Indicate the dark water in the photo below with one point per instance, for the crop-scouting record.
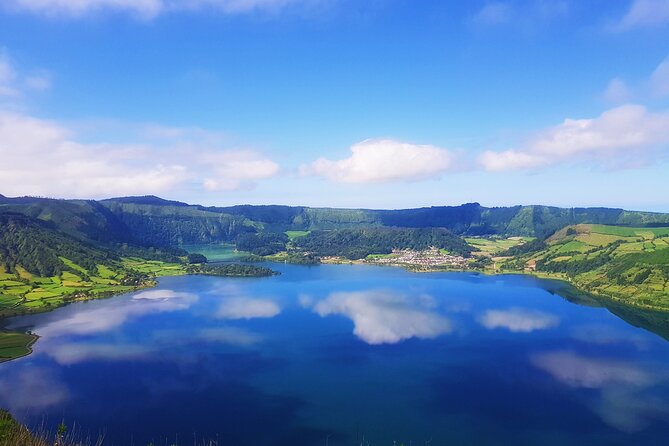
(334, 354)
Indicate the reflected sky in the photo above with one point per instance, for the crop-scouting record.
(383, 316)
(518, 320)
(341, 351)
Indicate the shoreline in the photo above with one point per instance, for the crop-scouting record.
(603, 299)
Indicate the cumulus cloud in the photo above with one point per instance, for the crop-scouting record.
(384, 317)
(384, 160)
(247, 308)
(44, 158)
(628, 130)
(518, 320)
(148, 8)
(643, 14)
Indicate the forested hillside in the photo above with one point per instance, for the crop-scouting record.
(359, 243)
(28, 243)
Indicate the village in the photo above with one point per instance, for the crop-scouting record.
(432, 257)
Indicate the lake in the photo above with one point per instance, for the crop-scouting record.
(344, 355)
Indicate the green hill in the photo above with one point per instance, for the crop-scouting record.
(627, 264)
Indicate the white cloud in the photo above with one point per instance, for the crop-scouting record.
(384, 160)
(494, 13)
(7, 76)
(659, 80)
(654, 86)
(38, 81)
(236, 170)
(44, 158)
(644, 13)
(13, 82)
(524, 14)
(626, 131)
(240, 307)
(148, 8)
(518, 320)
(384, 317)
(617, 91)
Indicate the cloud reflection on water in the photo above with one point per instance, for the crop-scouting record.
(625, 398)
(247, 308)
(30, 387)
(518, 320)
(386, 317)
(106, 316)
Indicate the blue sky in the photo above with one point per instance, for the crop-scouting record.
(379, 104)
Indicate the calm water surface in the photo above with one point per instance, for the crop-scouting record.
(335, 354)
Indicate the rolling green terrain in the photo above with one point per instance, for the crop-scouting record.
(628, 265)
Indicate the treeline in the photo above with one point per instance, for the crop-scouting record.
(230, 270)
(359, 243)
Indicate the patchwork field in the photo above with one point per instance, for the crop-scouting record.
(485, 245)
(22, 292)
(629, 265)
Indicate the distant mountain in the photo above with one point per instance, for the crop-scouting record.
(146, 199)
(153, 221)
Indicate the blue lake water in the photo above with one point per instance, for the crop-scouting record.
(344, 355)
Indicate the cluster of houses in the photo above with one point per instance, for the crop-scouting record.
(432, 257)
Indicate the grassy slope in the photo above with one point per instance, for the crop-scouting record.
(628, 265)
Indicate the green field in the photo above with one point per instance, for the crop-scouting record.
(292, 235)
(628, 265)
(495, 245)
(22, 293)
